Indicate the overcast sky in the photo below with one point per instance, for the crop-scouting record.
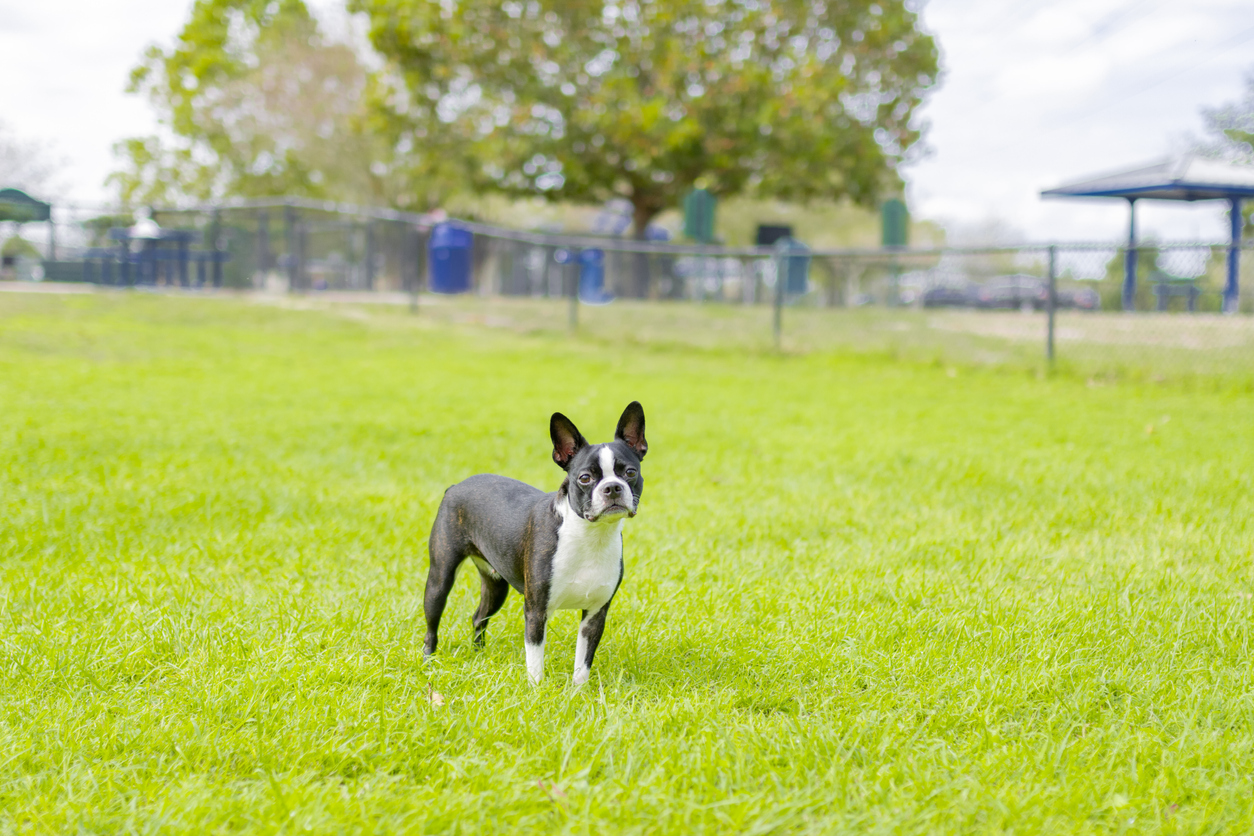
(1034, 93)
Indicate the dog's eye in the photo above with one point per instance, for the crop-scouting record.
(585, 478)
(631, 473)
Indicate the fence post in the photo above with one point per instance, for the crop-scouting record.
(302, 244)
(1232, 292)
(1130, 258)
(217, 247)
(572, 317)
(1052, 304)
(370, 254)
(415, 237)
(263, 247)
(293, 268)
(780, 277)
(124, 256)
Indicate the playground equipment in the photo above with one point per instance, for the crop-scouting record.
(146, 254)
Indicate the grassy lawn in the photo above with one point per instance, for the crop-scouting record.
(862, 595)
(1108, 346)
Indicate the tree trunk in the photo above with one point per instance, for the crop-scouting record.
(642, 281)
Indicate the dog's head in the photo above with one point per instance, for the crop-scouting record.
(603, 481)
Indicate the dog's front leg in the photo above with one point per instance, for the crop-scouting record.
(533, 641)
(590, 629)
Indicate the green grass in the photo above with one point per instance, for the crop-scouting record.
(1201, 348)
(861, 596)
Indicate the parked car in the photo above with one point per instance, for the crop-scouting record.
(1081, 298)
(1016, 291)
(949, 295)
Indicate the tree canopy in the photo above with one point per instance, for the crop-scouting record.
(585, 100)
(256, 101)
(1231, 127)
(573, 100)
(1230, 130)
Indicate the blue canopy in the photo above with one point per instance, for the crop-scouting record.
(1186, 178)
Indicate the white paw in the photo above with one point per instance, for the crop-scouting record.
(535, 663)
(580, 677)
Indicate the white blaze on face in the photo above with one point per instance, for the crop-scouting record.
(608, 477)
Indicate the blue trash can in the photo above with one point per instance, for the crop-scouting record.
(797, 265)
(448, 258)
(592, 278)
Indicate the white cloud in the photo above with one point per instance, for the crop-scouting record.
(1038, 95)
(1053, 75)
(71, 61)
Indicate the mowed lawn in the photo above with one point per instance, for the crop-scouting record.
(861, 596)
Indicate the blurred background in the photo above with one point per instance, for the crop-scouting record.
(873, 154)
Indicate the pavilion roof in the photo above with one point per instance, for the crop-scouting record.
(16, 205)
(1183, 178)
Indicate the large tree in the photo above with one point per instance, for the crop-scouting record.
(1230, 134)
(586, 100)
(1231, 127)
(257, 101)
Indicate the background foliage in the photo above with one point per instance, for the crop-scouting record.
(576, 102)
(257, 101)
(586, 101)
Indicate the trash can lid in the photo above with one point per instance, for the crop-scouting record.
(447, 235)
(790, 244)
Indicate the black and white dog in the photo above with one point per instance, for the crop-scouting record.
(562, 551)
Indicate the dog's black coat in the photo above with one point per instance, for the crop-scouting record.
(513, 531)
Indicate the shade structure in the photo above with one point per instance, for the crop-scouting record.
(1186, 178)
(17, 205)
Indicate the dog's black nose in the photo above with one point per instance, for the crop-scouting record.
(613, 489)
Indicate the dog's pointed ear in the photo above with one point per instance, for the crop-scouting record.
(567, 440)
(631, 428)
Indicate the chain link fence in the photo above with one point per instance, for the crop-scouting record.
(1065, 305)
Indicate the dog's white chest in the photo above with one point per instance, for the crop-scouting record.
(587, 565)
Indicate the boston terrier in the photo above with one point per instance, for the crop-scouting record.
(562, 551)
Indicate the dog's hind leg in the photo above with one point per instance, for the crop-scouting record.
(493, 590)
(447, 553)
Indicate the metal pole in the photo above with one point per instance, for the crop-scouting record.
(124, 256)
(289, 222)
(779, 297)
(217, 254)
(52, 237)
(894, 270)
(704, 280)
(1232, 293)
(1053, 304)
(572, 316)
(1129, 273)
(263, 245)
(370, 255)
(414, 277)
(302, 242)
